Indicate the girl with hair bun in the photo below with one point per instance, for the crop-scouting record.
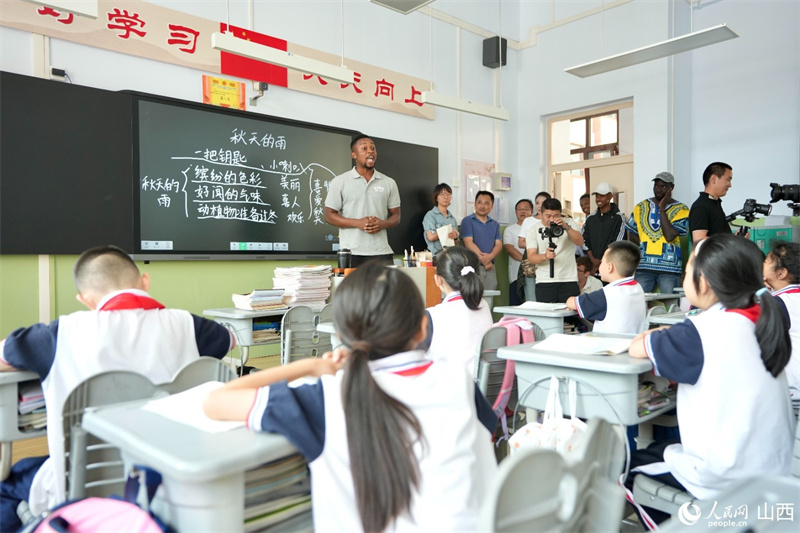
(379, 428)
(734, 413)
(463, 317)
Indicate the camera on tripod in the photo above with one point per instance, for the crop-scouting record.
(749, 210)
(553, 231)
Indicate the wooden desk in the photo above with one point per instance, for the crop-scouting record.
(9, 416)
(615, 377)
(550, 321)
(203, 473)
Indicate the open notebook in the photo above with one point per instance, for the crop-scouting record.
(187, 408)
(541, 306)
(583, 344)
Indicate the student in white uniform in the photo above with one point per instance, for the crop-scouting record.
(735, 418)
(463, 317)
(782, 277)
(620, 306)
(394, 441)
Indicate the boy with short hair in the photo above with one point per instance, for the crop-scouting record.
(124, 329)
(481, 234)
(620, 307)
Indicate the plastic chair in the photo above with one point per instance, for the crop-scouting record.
(657, 310)
(674, 308)
(92, 467)
(652, 493)
(538, 490)
(196, 372)
(299, 336)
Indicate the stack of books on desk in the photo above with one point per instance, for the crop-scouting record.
(305, 285)
(261, 300)
(278, 496)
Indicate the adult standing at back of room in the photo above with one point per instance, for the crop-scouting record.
(706, 217)
(657, 224)
(530, 281)
(363, 204)
(523, 210)
(604, 226)
(438, 217)
(481, 234)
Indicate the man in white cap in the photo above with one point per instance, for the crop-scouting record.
(602, 227)
(657, 224)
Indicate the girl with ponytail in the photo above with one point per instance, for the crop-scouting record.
(460, 321)
(379, 427)
(734, 413)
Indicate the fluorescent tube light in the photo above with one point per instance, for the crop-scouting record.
(226, 42)
(402, 6)
(676, 45)
(86, 8)
(459, 104)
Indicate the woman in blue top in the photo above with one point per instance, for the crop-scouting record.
(438, 217)
(394, 441)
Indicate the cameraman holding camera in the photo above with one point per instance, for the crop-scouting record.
(554, 241)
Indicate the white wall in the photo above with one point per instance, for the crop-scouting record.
(737, 101)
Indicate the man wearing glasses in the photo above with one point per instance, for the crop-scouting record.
(522, 210)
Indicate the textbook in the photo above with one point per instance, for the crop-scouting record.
(583, 344)
(261, 300)
(542, 306)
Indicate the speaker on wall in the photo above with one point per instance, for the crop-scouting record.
(491, 57)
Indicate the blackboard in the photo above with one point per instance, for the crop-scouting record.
(66, 179)
(80, 167)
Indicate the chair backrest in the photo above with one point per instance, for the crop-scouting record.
(299, 335)
(537, 490)
(92, 467)
(197, 372)
(657, 310)
(674, 308)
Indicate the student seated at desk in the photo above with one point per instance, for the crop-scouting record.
(586, 282)
(782, 277)
(394, 441)
(734, 414)
(125, 329)
(620, 306)
(460, 321)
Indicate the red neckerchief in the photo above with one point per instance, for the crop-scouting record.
(129, 300)
(415, 371)
(751, 313)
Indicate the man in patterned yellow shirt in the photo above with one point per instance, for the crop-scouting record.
(657, 224)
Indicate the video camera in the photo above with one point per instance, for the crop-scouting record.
(553, 231)
(790, 193)
(749, 210)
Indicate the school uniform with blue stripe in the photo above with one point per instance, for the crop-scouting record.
(619, 307)
(736, 419)
(456, 459)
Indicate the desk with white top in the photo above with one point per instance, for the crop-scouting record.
(203, 472)
(614, 377)
(551, 321)
(669, 319)
(241, 322)
(668, 299)
(9, 416)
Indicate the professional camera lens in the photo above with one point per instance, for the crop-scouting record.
(790, 193)
(555, 230)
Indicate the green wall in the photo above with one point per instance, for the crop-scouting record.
(190, 285)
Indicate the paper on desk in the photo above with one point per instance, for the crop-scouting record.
(583, 344)
(444, 235)
(542, 306)
(187, 408)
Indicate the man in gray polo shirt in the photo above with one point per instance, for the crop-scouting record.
(363, 203)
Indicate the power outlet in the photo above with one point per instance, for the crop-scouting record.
(58, 74)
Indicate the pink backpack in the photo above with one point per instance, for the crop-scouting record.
(518, 331)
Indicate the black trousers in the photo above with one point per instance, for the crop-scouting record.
(653, 454)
